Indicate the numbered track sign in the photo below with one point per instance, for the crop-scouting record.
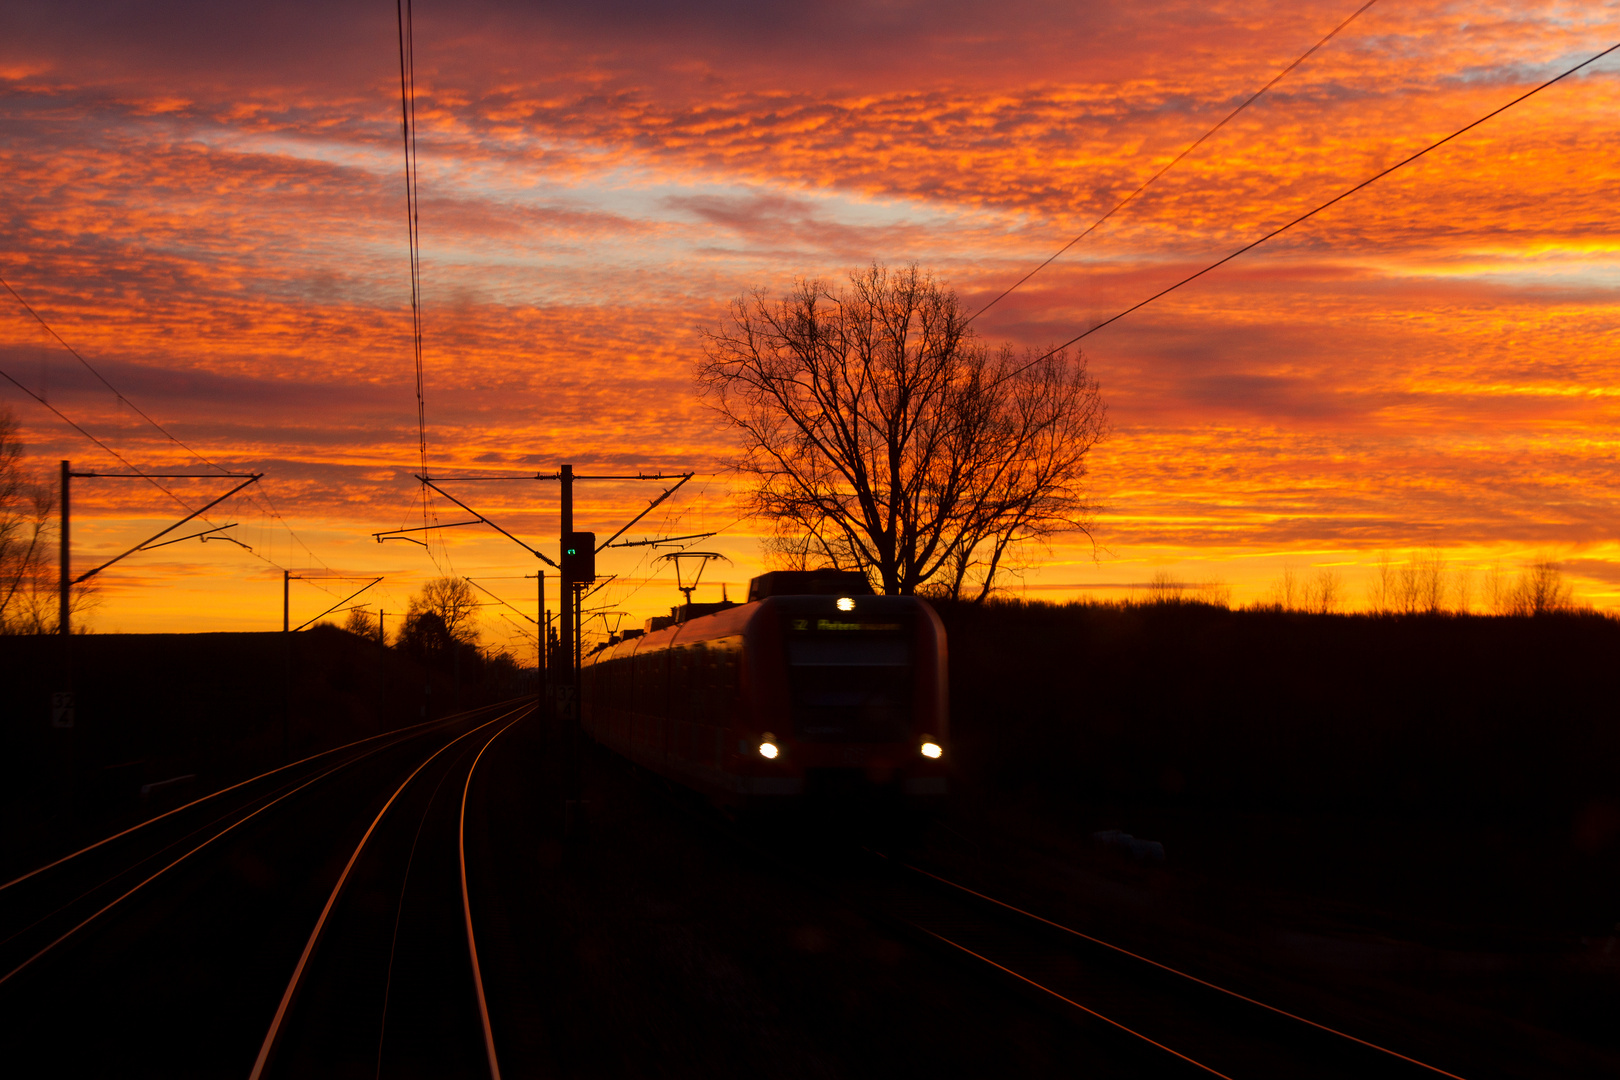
(62, 709)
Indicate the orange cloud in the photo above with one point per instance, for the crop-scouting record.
(212, 210)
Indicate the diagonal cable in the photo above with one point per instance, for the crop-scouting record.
(1176, 160)
(91, 368)
(1312, 213)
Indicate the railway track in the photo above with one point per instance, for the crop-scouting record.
(403, 995)
(1197, 1025)
(1170, 1021)
(173, 947)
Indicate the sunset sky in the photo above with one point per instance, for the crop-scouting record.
(208, 204)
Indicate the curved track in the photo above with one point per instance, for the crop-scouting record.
(176, 944)
(1201, 1025)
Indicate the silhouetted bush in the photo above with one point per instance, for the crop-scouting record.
(1274, 710)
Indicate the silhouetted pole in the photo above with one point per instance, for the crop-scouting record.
(573, 817)
(540, 638)
(64, 582)
(64, 628)
(382, 674)
(286, 664)
(568, 585)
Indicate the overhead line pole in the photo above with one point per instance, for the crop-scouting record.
(65, 579)
(570, 588)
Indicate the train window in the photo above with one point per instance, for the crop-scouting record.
(855, 688)
(848, 652)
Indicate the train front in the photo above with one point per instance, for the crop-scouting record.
(849, 701)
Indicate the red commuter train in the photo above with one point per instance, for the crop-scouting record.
(814, 689)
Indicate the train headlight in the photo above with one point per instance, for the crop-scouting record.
(931, 750)
(846, 603)
(768, 747)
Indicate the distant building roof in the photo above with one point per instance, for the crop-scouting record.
(824, 582)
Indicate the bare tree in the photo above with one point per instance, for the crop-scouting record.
(452, 602)
(879, 434)
(1287, 593)
(361, 623)
(1163, 588)
(1420, 586)
(28, 585)
(1428, 582)
(1498, 590)
(1541, 590)
(1325, 593)
(1384, 591)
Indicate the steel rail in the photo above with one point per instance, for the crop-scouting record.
(466, 910)
(331, 901)
(152, 856)
(883, 915)
(1065, 1000)
(1173, 971)
(132, 890)
(227, 790)
(399, 915)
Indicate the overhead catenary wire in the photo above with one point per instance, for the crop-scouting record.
(124, 399)
(413, 224)
(1345, 194)
(407, 104)
(104, 381)
(1195, 144)
(70, 422)
(408, 131)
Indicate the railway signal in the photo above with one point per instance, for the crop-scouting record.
(579, 556)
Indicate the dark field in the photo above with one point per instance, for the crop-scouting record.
(1421, 812)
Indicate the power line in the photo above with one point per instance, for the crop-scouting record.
(1312, 213)
(70, 423)
(413, 224)
(407, 107)
(116, 393)
(1331, 34)
(122, 459)
(165, 432)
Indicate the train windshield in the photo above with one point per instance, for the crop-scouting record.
(849, 681)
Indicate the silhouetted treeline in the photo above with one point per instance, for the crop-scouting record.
(1277, 711)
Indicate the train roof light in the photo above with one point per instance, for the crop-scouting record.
(846, 603)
